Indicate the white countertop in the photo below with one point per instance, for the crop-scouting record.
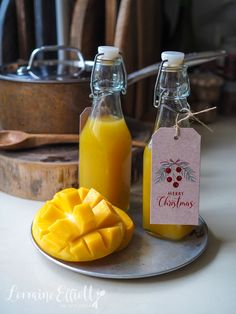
(29, 283)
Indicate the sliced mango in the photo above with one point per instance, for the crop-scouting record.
(84, 218)
(81, 225)
(52, 244)
(66, 255)
(50, 212)
(82, 193)
(96, 245)
(93, 198)
(129, 227)
(105, 215)
(67, 199)
(65, 229)
(79, 251)
(40, 228)
(113, 236)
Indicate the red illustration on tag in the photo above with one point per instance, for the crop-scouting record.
(174, 172)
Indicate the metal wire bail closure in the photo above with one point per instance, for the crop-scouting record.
(156, 102)
(92, 76)
(92, 80)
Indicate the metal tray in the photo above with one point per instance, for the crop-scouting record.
(145, 256)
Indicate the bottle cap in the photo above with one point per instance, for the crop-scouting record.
(109, 52)
(174, 58)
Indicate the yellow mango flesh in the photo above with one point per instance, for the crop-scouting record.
(67, 199)
(84, 218)
(81, 225)
(113, 236)
(129, 227)
(50, 212)
(82, 192)
(93, 198)
(105, 215)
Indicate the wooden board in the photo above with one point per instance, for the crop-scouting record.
(125, 40)
(111, 8)
(87, 26)
(39, 173)
(25, 28)
(8, 32)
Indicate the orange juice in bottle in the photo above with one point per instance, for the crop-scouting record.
(171, 92)
(105, 141)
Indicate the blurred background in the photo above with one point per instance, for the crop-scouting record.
(141, 29)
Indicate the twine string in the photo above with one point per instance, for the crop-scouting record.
(190, 114)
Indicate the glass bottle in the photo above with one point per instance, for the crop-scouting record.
(170, 98)
(105, 141)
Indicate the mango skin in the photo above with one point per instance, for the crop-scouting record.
(80, 225)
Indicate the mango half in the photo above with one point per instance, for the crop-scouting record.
(80, 225)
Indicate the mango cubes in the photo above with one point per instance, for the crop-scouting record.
(81, 225)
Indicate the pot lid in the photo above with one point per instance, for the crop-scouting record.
(63, 69)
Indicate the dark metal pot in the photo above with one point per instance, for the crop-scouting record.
(47, 96)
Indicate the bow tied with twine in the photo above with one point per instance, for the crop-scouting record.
(190, 114)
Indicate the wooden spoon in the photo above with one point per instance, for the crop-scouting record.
(11, 140)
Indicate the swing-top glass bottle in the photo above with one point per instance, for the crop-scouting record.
(105, 141)
(170, 98)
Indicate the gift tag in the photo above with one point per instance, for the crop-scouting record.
(175, 177)
(84, 117)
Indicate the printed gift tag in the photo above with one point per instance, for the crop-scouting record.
(175, 177)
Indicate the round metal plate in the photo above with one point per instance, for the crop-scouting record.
(145, 256)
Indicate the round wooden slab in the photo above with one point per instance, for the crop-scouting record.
(39, 173)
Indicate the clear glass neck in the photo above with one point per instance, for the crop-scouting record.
(173, 83)
(108, 80)
(170, 96)
(108, 76)
(107, 105)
